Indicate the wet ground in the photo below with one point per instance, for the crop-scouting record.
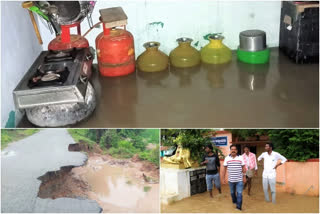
(119, 185)
(286, 203)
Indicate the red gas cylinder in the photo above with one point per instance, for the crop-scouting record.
(115, 51)
(66, 41)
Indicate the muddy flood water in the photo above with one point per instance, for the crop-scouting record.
(119, 186)
(285, 203)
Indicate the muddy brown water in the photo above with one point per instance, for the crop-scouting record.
(120, 189)
(285, 203)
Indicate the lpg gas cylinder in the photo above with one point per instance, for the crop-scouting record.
(115, 51)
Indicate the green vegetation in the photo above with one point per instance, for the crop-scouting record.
(122, 143)
(146, 188)
(294, 144)
(243, 134)
(80, 135)
(193, 139)
(11, 135)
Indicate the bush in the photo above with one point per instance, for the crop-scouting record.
(296, 144)
(151, 155)
(125, 149)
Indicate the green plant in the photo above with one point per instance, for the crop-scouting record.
(146, 188)
(152, 156)
(296, 144)
(193, 139)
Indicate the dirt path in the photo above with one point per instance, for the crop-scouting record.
(286, 203)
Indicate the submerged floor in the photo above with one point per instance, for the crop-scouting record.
(202, 203)
(275, 95)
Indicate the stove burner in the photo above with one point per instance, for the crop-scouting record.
(50, 77)
(62, 55)
(46, 75)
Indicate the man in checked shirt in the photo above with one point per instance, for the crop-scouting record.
(251, 166)
(269, 170)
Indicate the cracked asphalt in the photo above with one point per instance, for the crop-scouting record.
(22, 162)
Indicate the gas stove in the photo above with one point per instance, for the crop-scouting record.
(56, 77)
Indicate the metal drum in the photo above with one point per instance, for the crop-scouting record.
(252, 40)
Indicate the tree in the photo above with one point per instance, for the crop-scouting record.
(296, 144)
(193, 139)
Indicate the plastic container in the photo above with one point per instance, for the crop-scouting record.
(152, 59)
(253, 48)
(215, 52)
(184, 56)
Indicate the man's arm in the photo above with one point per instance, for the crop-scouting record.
(260, 157)
(204, 161)
(218, 163)
(243, 170)
(280, 157)
(244, 173)
(256, 165)
(224, 170)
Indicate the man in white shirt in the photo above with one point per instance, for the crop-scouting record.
(269, 170)
(236, 175)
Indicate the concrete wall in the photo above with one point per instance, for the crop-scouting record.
(19, 49)
(167, 20)
(294, 177)
(299, 177)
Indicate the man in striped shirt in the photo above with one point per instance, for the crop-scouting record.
(236, 175)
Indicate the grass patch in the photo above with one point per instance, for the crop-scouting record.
(78, 136)
(146, 188)
(11, 135)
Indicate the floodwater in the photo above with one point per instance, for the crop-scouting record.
(285, 203)
(116, 190)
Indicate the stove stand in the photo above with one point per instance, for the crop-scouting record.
(63, 114)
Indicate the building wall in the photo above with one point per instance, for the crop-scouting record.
(19, 49)
(225, 149)
(293, 177)
(299, 177)
(166, 20)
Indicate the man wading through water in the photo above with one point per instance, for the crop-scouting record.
(212, 163)
(269, 170)
(251, 166)
(236, 175)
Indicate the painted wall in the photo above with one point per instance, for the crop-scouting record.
(225, 149)
(167, 20)
(19, 49)
(299, 177)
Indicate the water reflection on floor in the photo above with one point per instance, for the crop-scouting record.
(117, 191)
(286, 203)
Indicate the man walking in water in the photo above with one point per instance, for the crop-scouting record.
(236, 175)
(250, 162)
(211, 160)
(269, 170)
